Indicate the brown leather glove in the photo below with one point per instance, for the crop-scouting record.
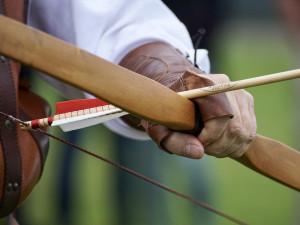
(164, 64)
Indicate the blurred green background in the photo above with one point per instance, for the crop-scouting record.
(252, 41)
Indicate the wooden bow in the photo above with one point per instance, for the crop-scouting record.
(110, 83)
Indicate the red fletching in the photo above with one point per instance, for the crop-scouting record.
(75, 105)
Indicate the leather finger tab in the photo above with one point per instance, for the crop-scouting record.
(212, 106)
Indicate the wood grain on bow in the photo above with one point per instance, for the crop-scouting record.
(110, 83)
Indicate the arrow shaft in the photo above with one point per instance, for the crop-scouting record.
(241, 84)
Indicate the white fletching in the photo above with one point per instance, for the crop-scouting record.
(78, 122)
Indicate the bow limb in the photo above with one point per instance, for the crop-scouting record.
(105, 80)
(274, 160)
(86, 71)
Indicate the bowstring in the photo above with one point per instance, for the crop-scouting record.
(134, 173)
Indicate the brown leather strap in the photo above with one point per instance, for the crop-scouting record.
(9, 141)
(8, 137)
(41, 140)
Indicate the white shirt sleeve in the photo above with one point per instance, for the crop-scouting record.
(111, 29)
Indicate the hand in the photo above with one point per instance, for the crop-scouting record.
(220, 136)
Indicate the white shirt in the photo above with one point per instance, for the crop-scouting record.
(110, 29)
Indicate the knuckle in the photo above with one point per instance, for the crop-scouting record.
(235, 130)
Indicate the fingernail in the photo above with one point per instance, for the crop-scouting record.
(191, 151)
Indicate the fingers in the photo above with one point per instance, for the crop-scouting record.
(229, 144)
(213, 130)
(253, 123)
(247, 123)
(184, 145)
(223, 137)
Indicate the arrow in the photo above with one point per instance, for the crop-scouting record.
(77, 114)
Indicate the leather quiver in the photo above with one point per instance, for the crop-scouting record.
(32, 149)
(22, 154)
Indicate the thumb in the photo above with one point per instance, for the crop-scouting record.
(184, 145)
